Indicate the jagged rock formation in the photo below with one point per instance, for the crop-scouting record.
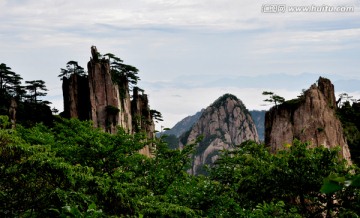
(142, 118)
(106, 102)
(105, 107)
(310, 118)
(223, 124)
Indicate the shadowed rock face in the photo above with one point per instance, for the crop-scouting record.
(76, 97)
(223, 124)
(310, 118)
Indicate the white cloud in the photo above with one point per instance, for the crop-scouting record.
(167, 39)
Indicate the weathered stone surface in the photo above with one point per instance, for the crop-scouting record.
(12, 112)
(107, 103)
(327, 89)
(142, 118)
(125, 116)
(103, 93)
(311, 118)
(76, 97)
(223, 124)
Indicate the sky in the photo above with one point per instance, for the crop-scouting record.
(189, 52)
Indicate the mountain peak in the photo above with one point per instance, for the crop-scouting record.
(223, 124)
(222, 100)
(310, 118)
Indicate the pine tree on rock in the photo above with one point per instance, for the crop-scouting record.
(9, 80)
(72, 67)
(35, 89)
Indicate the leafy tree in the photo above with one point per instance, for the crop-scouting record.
(253, 175)
(4, 122)
(83, 171)
(35, 89)
(343, 194)
(75, 170)
(349, 115)
(273, 98)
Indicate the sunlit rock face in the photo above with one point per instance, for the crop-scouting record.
(223, 124)
(310, 118)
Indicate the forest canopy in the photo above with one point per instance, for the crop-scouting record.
(74, 170)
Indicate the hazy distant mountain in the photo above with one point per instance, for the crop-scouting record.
(184, 125)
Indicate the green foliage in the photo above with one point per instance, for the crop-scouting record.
(273, 210)
(121, 73)
(29, 114)
(23, 99)
(346, 192)
(72, 67)
(156, 115)
(295, 175)
(74, 170)
(4, 122)
(35, 88)
(9, 81)
(349, 115)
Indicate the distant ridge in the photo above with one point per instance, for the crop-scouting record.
(184, 125)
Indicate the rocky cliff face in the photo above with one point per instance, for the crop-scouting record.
(107, 103)
(105, 107)
(76, 95)
(142, 118)
(310, 118)
(223, 124)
